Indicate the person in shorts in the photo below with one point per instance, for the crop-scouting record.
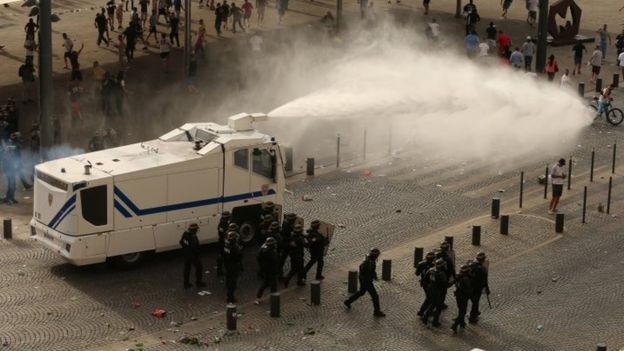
(557, 177)
(426, 6)
(506, 4)
(578, 49)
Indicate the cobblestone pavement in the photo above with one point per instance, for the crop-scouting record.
(550, 292)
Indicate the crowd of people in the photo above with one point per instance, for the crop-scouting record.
(280, 243)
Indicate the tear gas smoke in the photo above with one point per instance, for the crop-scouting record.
(438, 101)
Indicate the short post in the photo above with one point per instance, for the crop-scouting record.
(364, 146)
(504, 224)
(495, 212)
(581, 89)
(275, 305)
(601, 347)
(338, 150)
(288, 164)
(591, 171)
(476, 235)
(353, 282)
(231, 316)
(616, 80)
(613, 158)
(598, 85)
(315, 292)
(521, 188)
(569, 173)
(609, 195)
(546, 183)
(559, 221)
(584, 202)
(8, 228)
(310, 166)
(449, 240)
(386, 270)
(418, 255)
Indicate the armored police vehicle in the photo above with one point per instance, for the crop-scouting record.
(124, 202)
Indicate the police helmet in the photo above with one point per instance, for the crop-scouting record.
(290, 216)
(430, 255)
(270, 241)
(298, 227)
(440, 262)
(226, 214)
(232, 235)
(374, 252)
(274, 225)
(193, 226)
(444, 245)
(464, 268)
(315, 223)
(233, 227)
(481, 256)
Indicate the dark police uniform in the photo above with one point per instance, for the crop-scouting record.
(421, 270)
(366, 277)
(437, 284)
(190, 245)
(316, 243)
(296, 247)
(222, 230)
(233, 263)
(463, 291)
(268, 261)
(479, 277)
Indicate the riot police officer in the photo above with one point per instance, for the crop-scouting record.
(437, 283)
(479, 283)
(316, 243)
(367, 275)
(222, 230)
(190, 244)
(233, 263)
(296, 245)
(268, 208)
(449, 265)
(287, 228)
(421, 270)
(463, 291)
(265, 223)
(268, 262)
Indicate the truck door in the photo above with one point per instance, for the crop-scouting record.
(263, 179)
(236, 191)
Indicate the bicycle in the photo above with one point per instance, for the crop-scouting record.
(614, 115)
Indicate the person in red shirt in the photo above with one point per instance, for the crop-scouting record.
(503, 41)
(247, 7)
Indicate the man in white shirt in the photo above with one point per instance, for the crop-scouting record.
(596, 62)
(621, 62)
(557, 176)
(565, 79)
(68, 44)
(434, 27)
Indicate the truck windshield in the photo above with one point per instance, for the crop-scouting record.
(52, 181)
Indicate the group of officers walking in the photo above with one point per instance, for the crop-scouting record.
(280, 243)
(437, 274)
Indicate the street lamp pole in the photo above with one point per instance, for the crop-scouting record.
(542, 37)
(46, 89)
(187, 36)
(458, 9)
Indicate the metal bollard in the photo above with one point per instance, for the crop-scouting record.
(231, 316)
(598, 85)
(353, 282)
(8, 229)
(386, 270)
(601, 347)
(521, 188)
(616, 80)
(584, 203)
(476, 235)
(449, 240)
(275, 305)
(315, 292)
(559, 222)
(613, 158)
(495, 208)
(288, 164)
(338, 150)
(569, 173)
(591, 171)
(546, 183)
(609, 196)
(310, 166)
(418, 255)
(581, 89)
(504, 224)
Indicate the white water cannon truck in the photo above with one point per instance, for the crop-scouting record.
(124, 202)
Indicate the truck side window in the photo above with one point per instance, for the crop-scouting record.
(94, 206)
(262, 163)
(241, 158)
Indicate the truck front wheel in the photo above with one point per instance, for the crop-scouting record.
(128, 260)
(248, 231)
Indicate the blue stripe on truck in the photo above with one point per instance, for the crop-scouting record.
(184, 205)
(56, 220)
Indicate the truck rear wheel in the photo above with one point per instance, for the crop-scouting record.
(248, 231)
(128, 260)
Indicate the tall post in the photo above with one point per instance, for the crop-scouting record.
(613, 158)
(46, 89)
(521, 187)
(570, 173)
(187, 36)
(458, 8)
(338, 150)
(584, 203)
(591, 171)
(609, 195)
(542, 36)
(338, 15)
(546, 183)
